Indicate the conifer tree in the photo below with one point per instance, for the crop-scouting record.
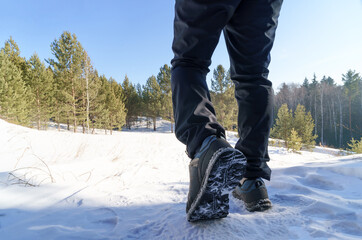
(294, 141)
(89, 88)
(297, 129)
(40, 81)
(355, 145)
(314, 97)
(67, 67)
(351, 89)
(131, 102)
(115, 106)
(141, 105)
(100, 113)
(222, 94)
(303, 124)
(283, 124)
(231, 111)
(219, 83)
(14, 100)
(152, 98)
(87, 67)
(11, 49)
(94, 89)
(164, 80)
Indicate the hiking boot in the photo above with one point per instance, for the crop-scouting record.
(214, 172)
(253, 193)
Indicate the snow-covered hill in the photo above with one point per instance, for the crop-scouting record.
(134, 184)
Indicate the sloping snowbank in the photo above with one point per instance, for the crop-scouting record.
(133, 185)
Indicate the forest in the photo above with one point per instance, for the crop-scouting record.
(67, 89)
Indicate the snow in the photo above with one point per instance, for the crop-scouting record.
(134, 184)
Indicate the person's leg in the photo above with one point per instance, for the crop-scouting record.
(216, 167)
(197, 28)
(249, 38)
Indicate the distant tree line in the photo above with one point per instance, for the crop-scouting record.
(319, 112)
(69, 90)
(336, 109)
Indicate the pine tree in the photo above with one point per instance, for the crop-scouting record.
(294, 141)
(87, 68)
(94, 87)
(100, 113)
(303, 124)
(355, 145)
(89, 87)
(115, 106)
(14, 97)
(313, 101)
(219, 83)
(11, 49)
(164, 80)
(231, 111)
(351, 89)
(152, 98)
(222, 95)
(283, 124)
(300, 126)
(132, 102)
(218, 88)
(40, 81)
(141, 105)
(67, 67)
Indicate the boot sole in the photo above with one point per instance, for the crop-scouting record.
(225, 170)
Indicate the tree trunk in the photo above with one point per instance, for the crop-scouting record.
(334, 123)
(110, 124)
(57, 120)
(128, 123)
(154, 124)
(87, 89)
(147, 123)
(330, 116)
(360, 89)
(171, 122)
(38, 107)
(322, 118)
(74, 107)
(350, 115)
(315, 113)
(340, 122)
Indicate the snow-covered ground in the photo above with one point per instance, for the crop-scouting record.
(134, 184)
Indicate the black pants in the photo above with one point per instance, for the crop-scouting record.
(249, 29)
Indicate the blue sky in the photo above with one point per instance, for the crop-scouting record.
(134, 37)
